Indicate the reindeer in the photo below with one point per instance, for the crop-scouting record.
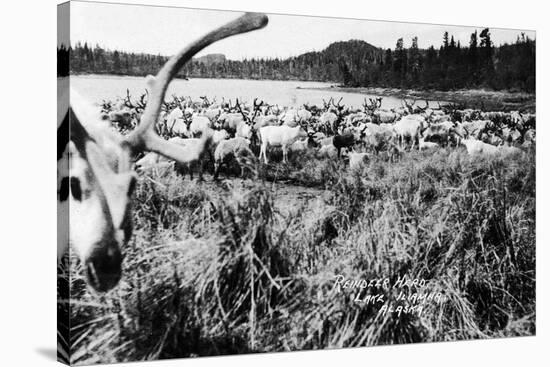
(372, 105)
(453, 110)
(125, 113)
(343, 141)
(205, 102)
(282, 136)
(248, 128)
(237, 148)
(95, 176)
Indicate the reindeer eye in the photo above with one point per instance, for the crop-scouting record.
(64, 189)
(132, 186)
(76, 190)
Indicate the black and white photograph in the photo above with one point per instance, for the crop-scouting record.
(234, 182)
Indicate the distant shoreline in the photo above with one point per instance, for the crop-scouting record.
(470, 98)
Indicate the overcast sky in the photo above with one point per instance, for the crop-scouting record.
(164, 30)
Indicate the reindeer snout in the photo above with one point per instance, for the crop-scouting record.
(103, 267)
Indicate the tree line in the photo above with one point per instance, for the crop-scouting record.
(352, 63)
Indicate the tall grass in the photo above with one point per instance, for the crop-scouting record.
(216, 269)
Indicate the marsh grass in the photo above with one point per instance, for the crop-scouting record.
(216, 268)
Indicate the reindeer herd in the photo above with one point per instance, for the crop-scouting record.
(227, 130)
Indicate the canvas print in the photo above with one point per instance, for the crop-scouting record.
(233, 183)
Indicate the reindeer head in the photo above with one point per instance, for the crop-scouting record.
(96, 180)
(303, 129)
(338, 108)
(372, 105)
(205, 102)
(94, 190)
(409, 106)
(256, 108)
(326, 105)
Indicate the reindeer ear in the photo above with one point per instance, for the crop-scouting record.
(83, 116)
(78, 134)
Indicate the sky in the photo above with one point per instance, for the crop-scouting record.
(165, 30)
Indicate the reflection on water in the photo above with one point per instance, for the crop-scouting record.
(284, 93)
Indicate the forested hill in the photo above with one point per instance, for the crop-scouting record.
(353, 63)
(211, 59)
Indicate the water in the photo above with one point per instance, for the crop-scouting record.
(284, 93)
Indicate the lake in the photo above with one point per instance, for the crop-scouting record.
(285, 93)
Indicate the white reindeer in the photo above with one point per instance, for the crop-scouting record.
(409, 127)
(425, 145)
(176, 123)
(282, 136)
(199, 125)
(477, 147)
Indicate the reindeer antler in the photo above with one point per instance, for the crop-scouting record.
(127, 102)
(142, 103)
(337, 105)
(257, 105)
(144, 136)
(256, 109)
(410, 106)
(238, 105)
(423, 109)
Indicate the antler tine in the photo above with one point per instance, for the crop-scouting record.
(128, 102)
(425, 107)
(245, 118)
(144, 136)
(259, 105)
(141, 103)
(256, 109)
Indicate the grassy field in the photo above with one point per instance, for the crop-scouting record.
(249, 265)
